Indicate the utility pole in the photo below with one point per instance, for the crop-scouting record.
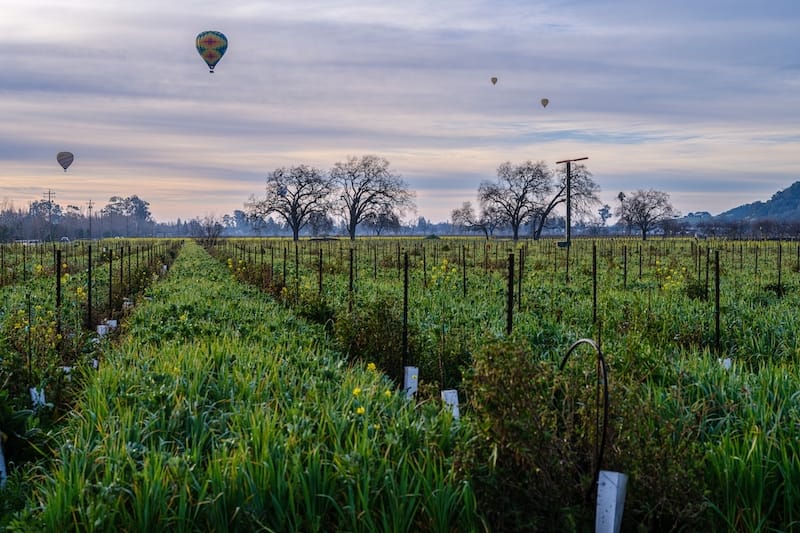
(49, 195)
(569, 194)
(90, 218)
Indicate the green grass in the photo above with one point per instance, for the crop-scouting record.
(220, 411)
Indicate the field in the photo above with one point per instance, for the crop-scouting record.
(258, 384)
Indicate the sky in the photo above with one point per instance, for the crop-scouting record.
(700, 99)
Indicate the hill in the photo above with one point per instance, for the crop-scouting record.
(783, 206)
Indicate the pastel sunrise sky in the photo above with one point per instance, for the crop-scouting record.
(700, 99)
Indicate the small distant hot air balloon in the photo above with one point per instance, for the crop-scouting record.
(494, 81)
(211, 46)
(65, 159)
(545, 101)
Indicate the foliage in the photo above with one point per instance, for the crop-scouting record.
(372, 332)
(703, 426)
(252, 424)
(645, 209)
(295, 194)
(368, 189)
(524, 460)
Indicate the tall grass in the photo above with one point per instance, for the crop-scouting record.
(220, 411)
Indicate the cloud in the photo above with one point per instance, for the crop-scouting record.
(687, 97)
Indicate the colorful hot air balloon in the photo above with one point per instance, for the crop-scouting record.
(545, 101)
(494, 81)
(211, 46)
(65, 159)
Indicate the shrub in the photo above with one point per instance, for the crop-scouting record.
(529, 463)
(373, 332)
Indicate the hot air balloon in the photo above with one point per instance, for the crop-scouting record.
(65, 159)
(211, 46)
(545, 101)
(494, 81)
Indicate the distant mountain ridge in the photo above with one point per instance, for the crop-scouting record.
(783, 206)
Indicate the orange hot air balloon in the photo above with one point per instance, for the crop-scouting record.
(211, 45)
(545, 101)
(65, 159)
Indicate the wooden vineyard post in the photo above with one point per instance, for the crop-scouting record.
(519, 280)
(58, 291)
(708, 264)
(716, 302)
(475, 253)
(355, 263)
(110, 277)
(464, 269)
(640, 261)
(319, 269)
(780, 261)
(29, 340)
(350, 286)
(261, 269)
(405, 311)
(594, 283)
(625, 267)
(89, 288)
(756, 261)
(138, 284)
(285, 253)
(741, 257)
(424, 268)
(510, 302)
(399, 266)
(121, 267)
(796, 264)
(696, 262)
(296, 272)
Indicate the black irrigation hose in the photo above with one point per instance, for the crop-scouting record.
(603, 371)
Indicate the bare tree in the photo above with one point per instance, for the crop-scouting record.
(294, 194)
(209, 228)
(320, 224)
(383, 221)
(368, 189)
(583, 196)
(645, 209)
(489, 219)
(518, 192)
